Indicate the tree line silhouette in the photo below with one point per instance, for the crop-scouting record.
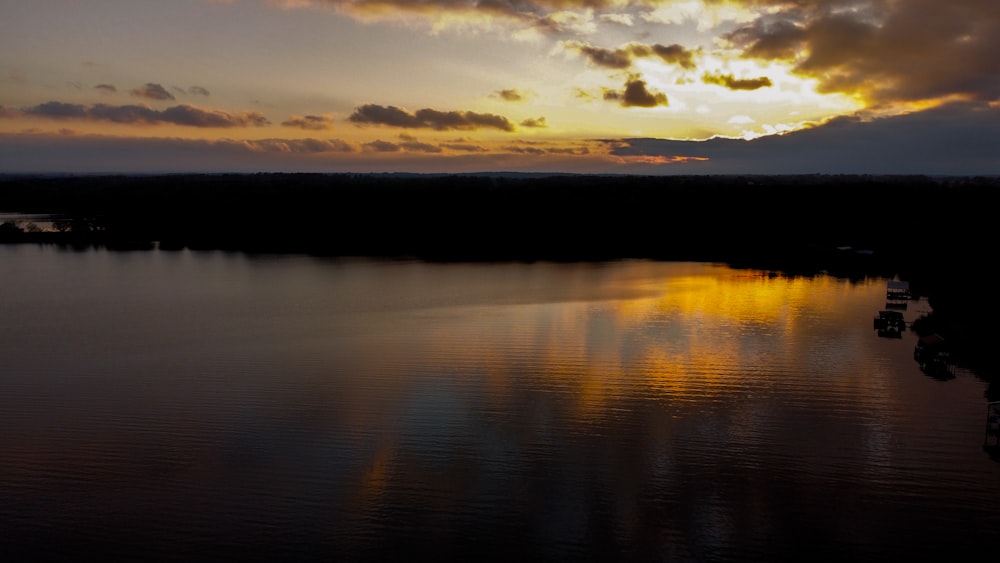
(519, 217)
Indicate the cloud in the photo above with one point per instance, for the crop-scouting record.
(607, 58)
(152, 91)
(462, 146)
(535, 149)
(887, 53)
(622, 57)
(382, 146)
(177, 115)
(69, 153)
(511, 95)
(525, 150)
(198, 91)
(621, 19)
(75, 153)
(732, 83)
(899, 52)
(538, 122)
(120, 114)
(299, 146)
(675, 54)
(579, 22)
(544, 16)
(710, 14)
(57, 110)
(581, 94)
(393, 116)
(636, 94)
(106, 88)
(411, 144)
(574, 151)
(384, 115)
(196, 117)
(407, 143)
(954, 139)
(310, 122)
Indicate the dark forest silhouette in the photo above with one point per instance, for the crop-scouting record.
(935, 232)
(562, 217)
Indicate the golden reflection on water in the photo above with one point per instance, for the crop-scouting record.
(694, 337)
(652, 362)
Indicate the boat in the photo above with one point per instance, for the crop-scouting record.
(931, 348)
(890, 322)
(898, 291)
(933, 356)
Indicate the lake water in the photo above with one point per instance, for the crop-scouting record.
(201, 406)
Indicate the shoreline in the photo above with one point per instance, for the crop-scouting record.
(933, 232)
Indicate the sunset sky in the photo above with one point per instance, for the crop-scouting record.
(589, 86)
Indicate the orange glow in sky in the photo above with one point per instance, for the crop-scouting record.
(382, 85)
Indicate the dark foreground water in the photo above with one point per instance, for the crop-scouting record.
(210, 406)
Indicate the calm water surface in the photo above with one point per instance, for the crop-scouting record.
(211, 406)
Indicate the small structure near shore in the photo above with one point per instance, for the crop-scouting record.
(933, 355)
(897, 294)
(889, 324)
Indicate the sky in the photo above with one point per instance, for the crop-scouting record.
(553, 86)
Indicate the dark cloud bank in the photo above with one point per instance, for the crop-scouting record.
(958, 140)
(372, 114)
(152, 91)
(183, 114)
